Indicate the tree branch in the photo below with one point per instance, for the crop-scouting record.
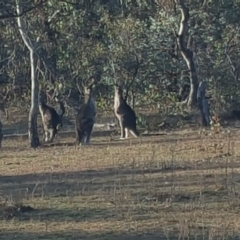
(11, 15)
(186, 53)
(234, 71)
(32, 119)
(22, 29)
(133, 78)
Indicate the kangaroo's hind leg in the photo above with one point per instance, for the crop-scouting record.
(121, 123)
(134, 133)
(89, 132)
(133, 129)
(52, 133)
(79, 137)
(126, 132)
(45, 135)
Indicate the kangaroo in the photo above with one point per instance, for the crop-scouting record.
(125, 115)
(2, 108)
(52, 121)
(85, 117)
(1, 134)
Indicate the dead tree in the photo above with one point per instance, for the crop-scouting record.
(32, 119)
(235, 69)
(13, 15)
(187, 53)
(136, 68)
(203, 104)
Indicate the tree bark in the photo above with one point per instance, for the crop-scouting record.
(12, 15)
(187, 53)
(32, 119)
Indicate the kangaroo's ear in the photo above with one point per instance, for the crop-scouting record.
(117, 85)
(92, 82)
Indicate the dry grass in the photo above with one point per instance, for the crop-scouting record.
(162, 187)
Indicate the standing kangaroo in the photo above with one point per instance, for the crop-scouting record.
(85, 117)
(125, 115)
(51, 120)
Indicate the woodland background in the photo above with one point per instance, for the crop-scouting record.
(166, 185)
(132, 42)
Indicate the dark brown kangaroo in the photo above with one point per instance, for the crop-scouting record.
(3, 109)
(125, 115)
(51, 120)
(85, 117)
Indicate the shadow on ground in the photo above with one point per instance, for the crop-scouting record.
(112, 141)
(100, 196)
(143, 183)
(78, 235)
(105, 178)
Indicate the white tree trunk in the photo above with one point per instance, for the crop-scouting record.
(32, 119)
(187, 53)
(197, 90)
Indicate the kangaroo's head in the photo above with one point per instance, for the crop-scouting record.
(88, 91)
(118, 91)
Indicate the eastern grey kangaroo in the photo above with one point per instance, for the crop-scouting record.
(51, 120)
(125, 115)
(85, 117)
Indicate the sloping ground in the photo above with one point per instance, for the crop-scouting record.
(154, 122)
(177, 186)
(18, 122)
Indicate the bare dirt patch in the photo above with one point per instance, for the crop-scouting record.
(175, 186)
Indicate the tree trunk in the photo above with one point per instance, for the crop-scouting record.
(32, 119)
(187, 53)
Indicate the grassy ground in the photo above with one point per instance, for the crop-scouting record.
(175, 186)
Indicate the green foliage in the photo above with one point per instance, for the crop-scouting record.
(113, 38)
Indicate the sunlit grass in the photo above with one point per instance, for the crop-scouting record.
(169, 186)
